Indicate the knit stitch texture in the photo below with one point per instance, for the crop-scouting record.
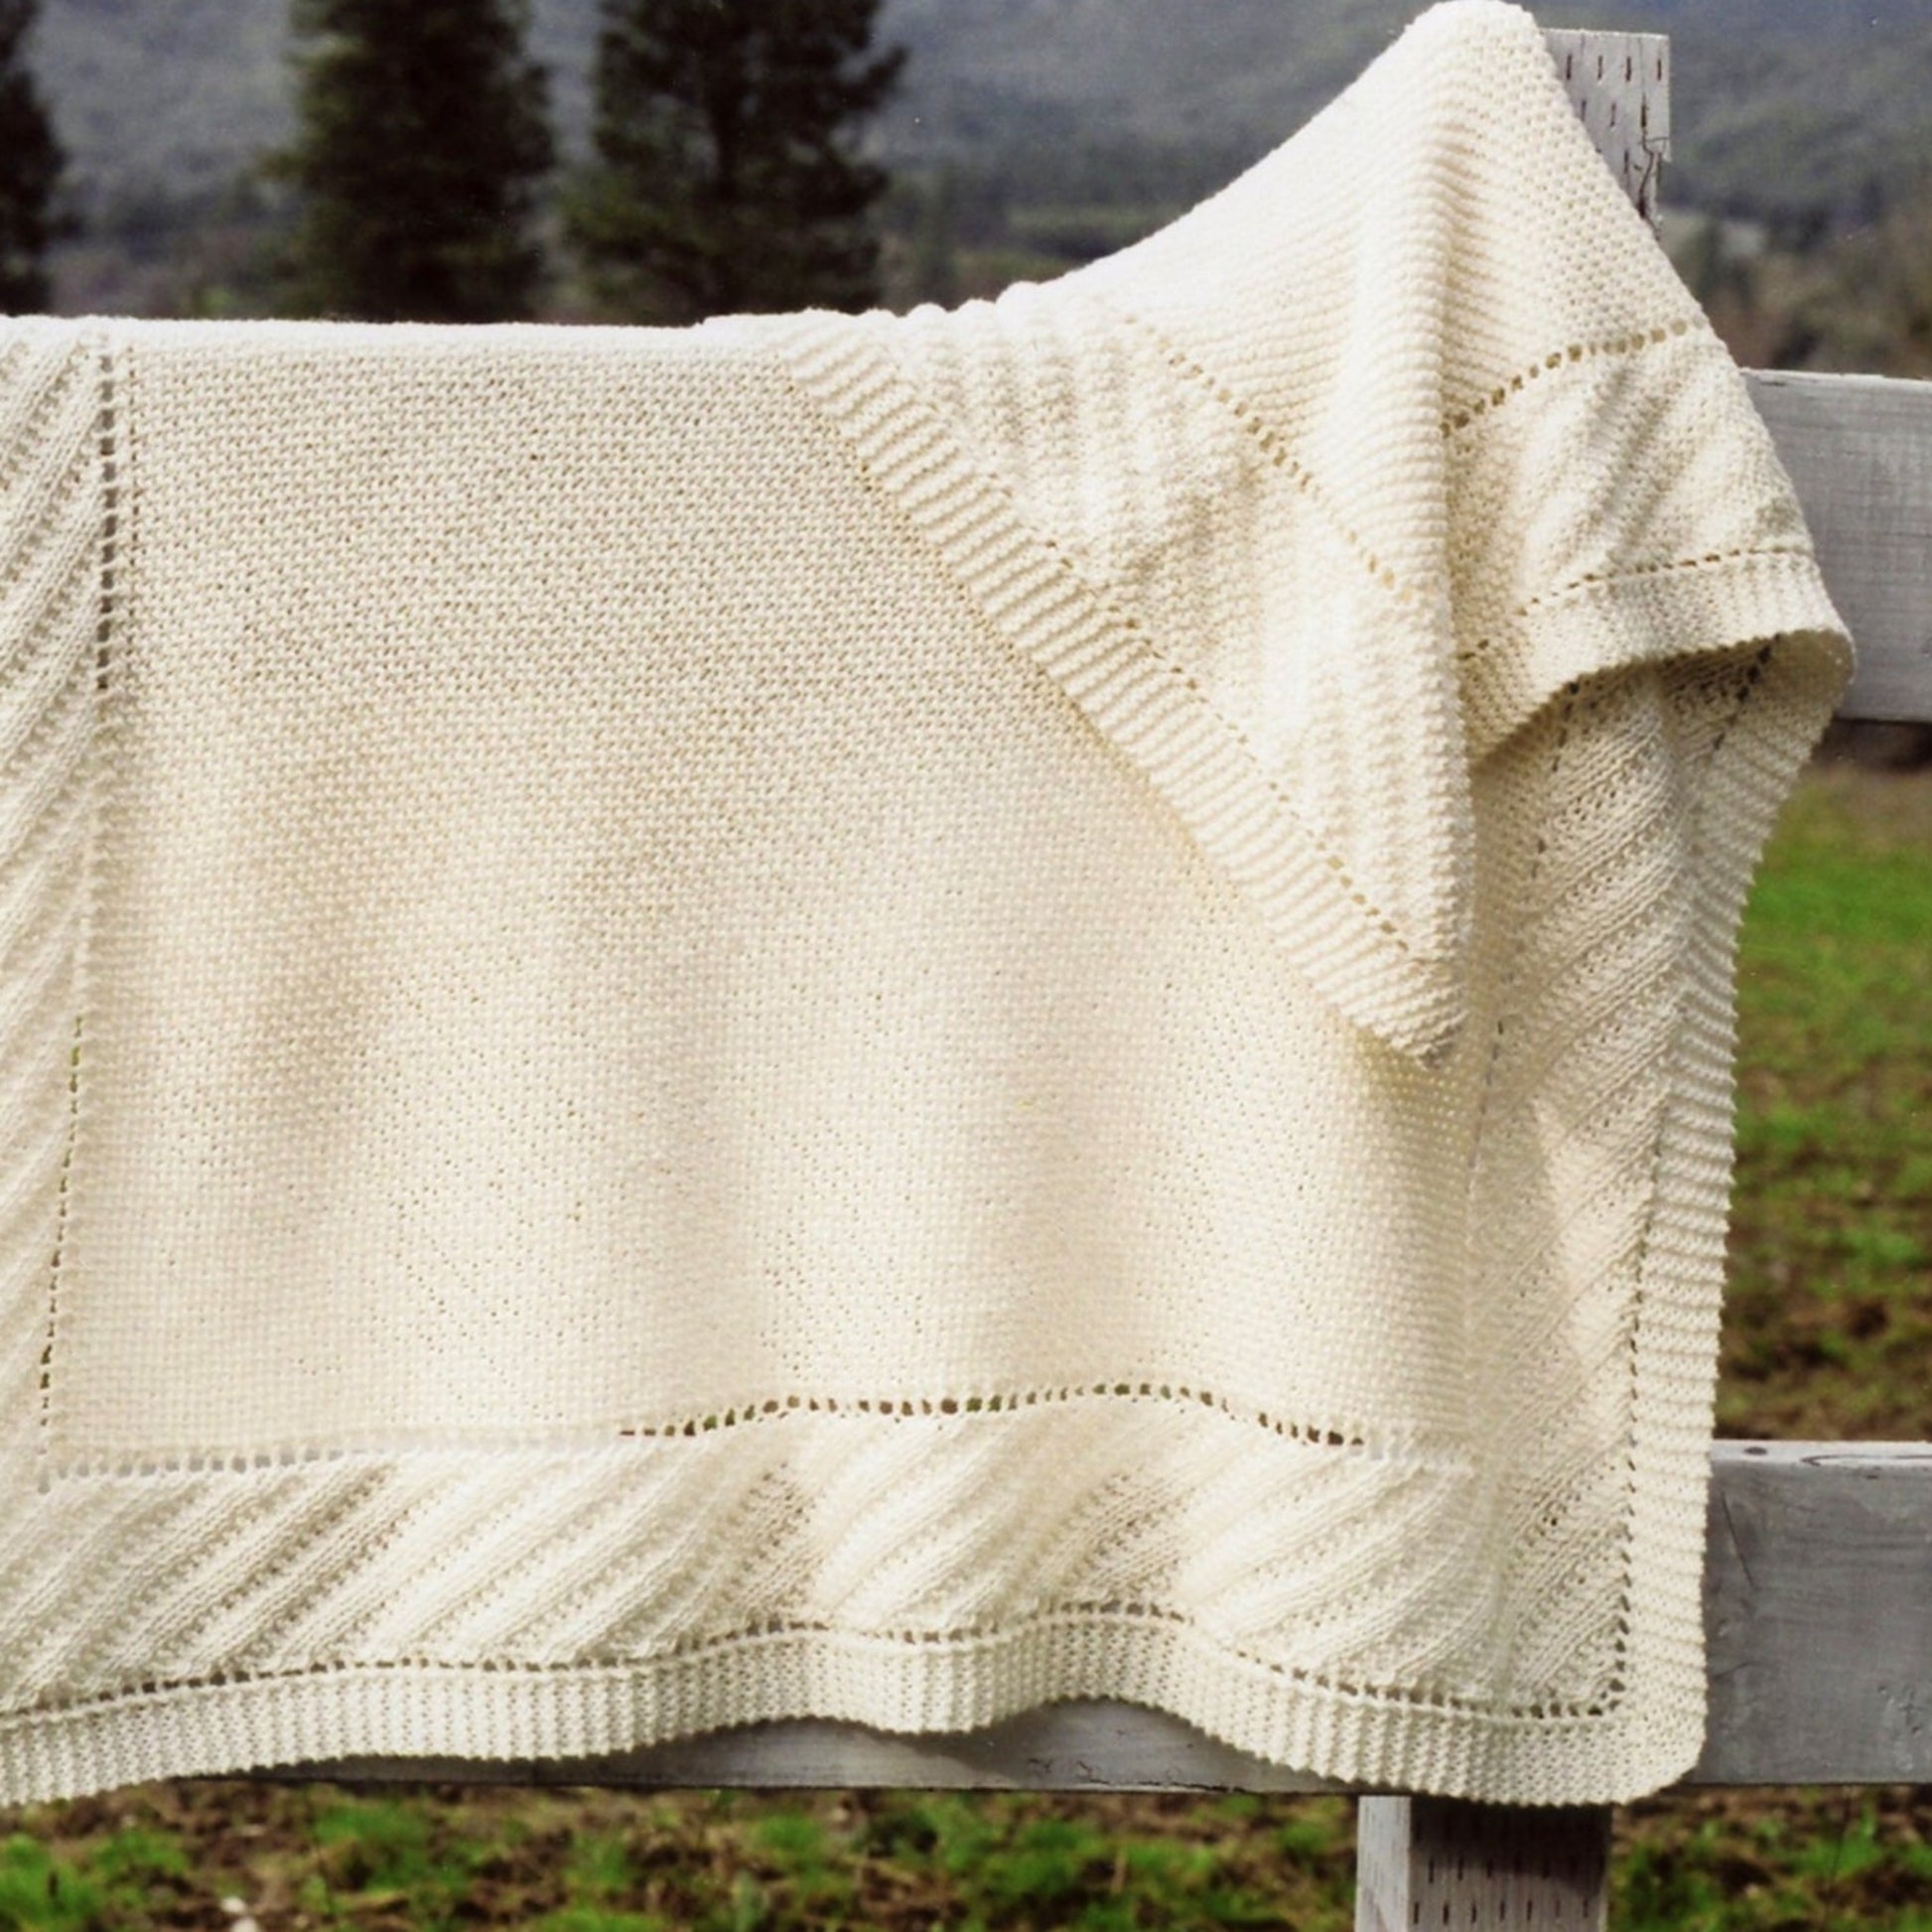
(891, 1016)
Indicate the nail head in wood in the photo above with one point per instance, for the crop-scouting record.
(1619, 85)
(1423, 1862)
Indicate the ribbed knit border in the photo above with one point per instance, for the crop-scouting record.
(1143, 703)
(1675, 1348)
(1714, 605)
(421, 1711)
(59, 554)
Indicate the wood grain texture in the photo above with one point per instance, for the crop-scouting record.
(1859, 448)
(1431, 1862)
(1620, 84)
(1076, 1745)
(1818, 1603)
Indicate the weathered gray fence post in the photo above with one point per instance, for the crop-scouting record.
(1423, 1863)
(1427, 1863)
(1620, 84)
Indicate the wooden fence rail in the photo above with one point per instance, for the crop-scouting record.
(1859, 451)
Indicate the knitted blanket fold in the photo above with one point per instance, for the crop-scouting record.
(889, 1017)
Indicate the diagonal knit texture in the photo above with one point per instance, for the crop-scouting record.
(58, 539)
(892, 1017)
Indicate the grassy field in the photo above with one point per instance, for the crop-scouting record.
(1828, 1334)
(1828, 1322)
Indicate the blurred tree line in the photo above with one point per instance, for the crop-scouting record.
(30, 169)
(1856, 301)
(424, 181)
(422, 142)
(721, 183)
(722, 178)
(420, 180)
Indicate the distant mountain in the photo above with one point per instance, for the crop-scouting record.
(1783, 107)
(1791, 108)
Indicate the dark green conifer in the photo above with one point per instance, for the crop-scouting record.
(934, 275)
(723, 179)
(421, 144)
(30, 169)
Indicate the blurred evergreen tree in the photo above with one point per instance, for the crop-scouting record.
(934, 273)
(421, 144)
(30, 166)
(722, 182)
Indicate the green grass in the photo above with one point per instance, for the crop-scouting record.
(381, 1855)
(1829, 1308)
(1805, 1861)
(734, 1862)
(1828, 1333)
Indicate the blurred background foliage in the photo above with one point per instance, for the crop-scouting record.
(1025, 136)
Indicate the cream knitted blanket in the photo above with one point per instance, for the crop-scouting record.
(892, 1017)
